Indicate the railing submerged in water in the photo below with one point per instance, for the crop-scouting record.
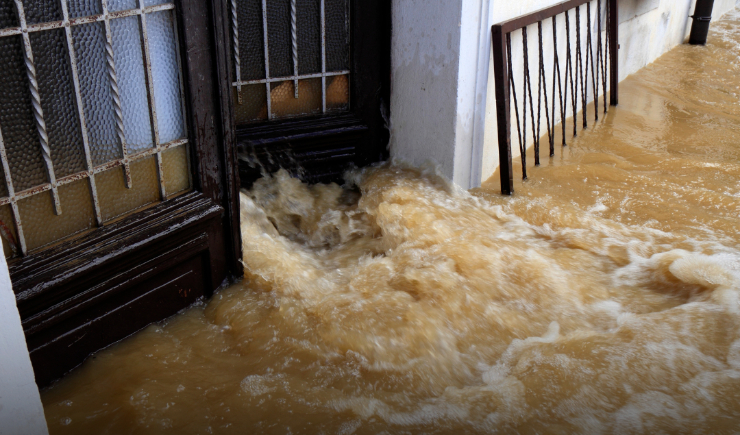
(505, 86)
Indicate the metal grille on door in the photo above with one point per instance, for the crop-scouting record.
(291, 58)
(92, 122)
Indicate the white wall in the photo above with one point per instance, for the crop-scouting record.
(443, 99)
(425, 54)
(21, 411)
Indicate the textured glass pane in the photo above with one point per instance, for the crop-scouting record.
(7, 230)
(254, 104)
(280, 44)
(97, 102)
(129, 60)
(8, 15)
(308, 13)
(121, 5)
(337, 34)
(16, 118)
(284, 103)
(41, 226)
(116, 200)
(337, 93)
(251, 45)
(175, 169)
(156, 2)
(42, 11)
(3, 186)
(166, 75)
(54, 75)
(84, 8)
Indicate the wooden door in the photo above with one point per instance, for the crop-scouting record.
(310, 85)
(119, 202)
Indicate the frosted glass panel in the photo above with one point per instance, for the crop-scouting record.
(89, 42)
(3, 185)
(42, 227)
(129, 60)
(254, 104)
(121, 5)
(176, 171)
(116, 200)
(284, 103)
(337, 35)
(41, 11)
(300, 47)
(155, 2)
(308, 14)
(166, 75)
(251, 47)
(54, 76)
(7, 231)
(8, 16)
(337, 93)
(16, 118)
(280, 44)
(96, 126)
(84, 8)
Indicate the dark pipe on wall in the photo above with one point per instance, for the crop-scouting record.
(700, 27)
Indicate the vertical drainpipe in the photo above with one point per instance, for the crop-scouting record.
(700, 27)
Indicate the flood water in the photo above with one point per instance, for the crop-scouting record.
(604, 297)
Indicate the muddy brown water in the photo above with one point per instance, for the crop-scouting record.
(604, 297)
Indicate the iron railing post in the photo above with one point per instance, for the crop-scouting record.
(503, 115)
(614, 52)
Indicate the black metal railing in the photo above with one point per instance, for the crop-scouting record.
(598, 64)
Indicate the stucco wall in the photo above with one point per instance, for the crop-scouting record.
(20, 405)
(425, 55)
(443, 99)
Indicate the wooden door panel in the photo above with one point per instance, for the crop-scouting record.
(72, 297)
(137, 305)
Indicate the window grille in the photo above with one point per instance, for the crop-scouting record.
(92, 116)
(291, 58)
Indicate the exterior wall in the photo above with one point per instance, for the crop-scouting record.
(443, 99)
(20, 405)
(425, 51)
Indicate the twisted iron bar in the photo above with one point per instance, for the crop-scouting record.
(38, 111)
(294, 35)
(235, 44)
(115, 92)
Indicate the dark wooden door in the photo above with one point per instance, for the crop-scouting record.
(129, 267)
(309, 85)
